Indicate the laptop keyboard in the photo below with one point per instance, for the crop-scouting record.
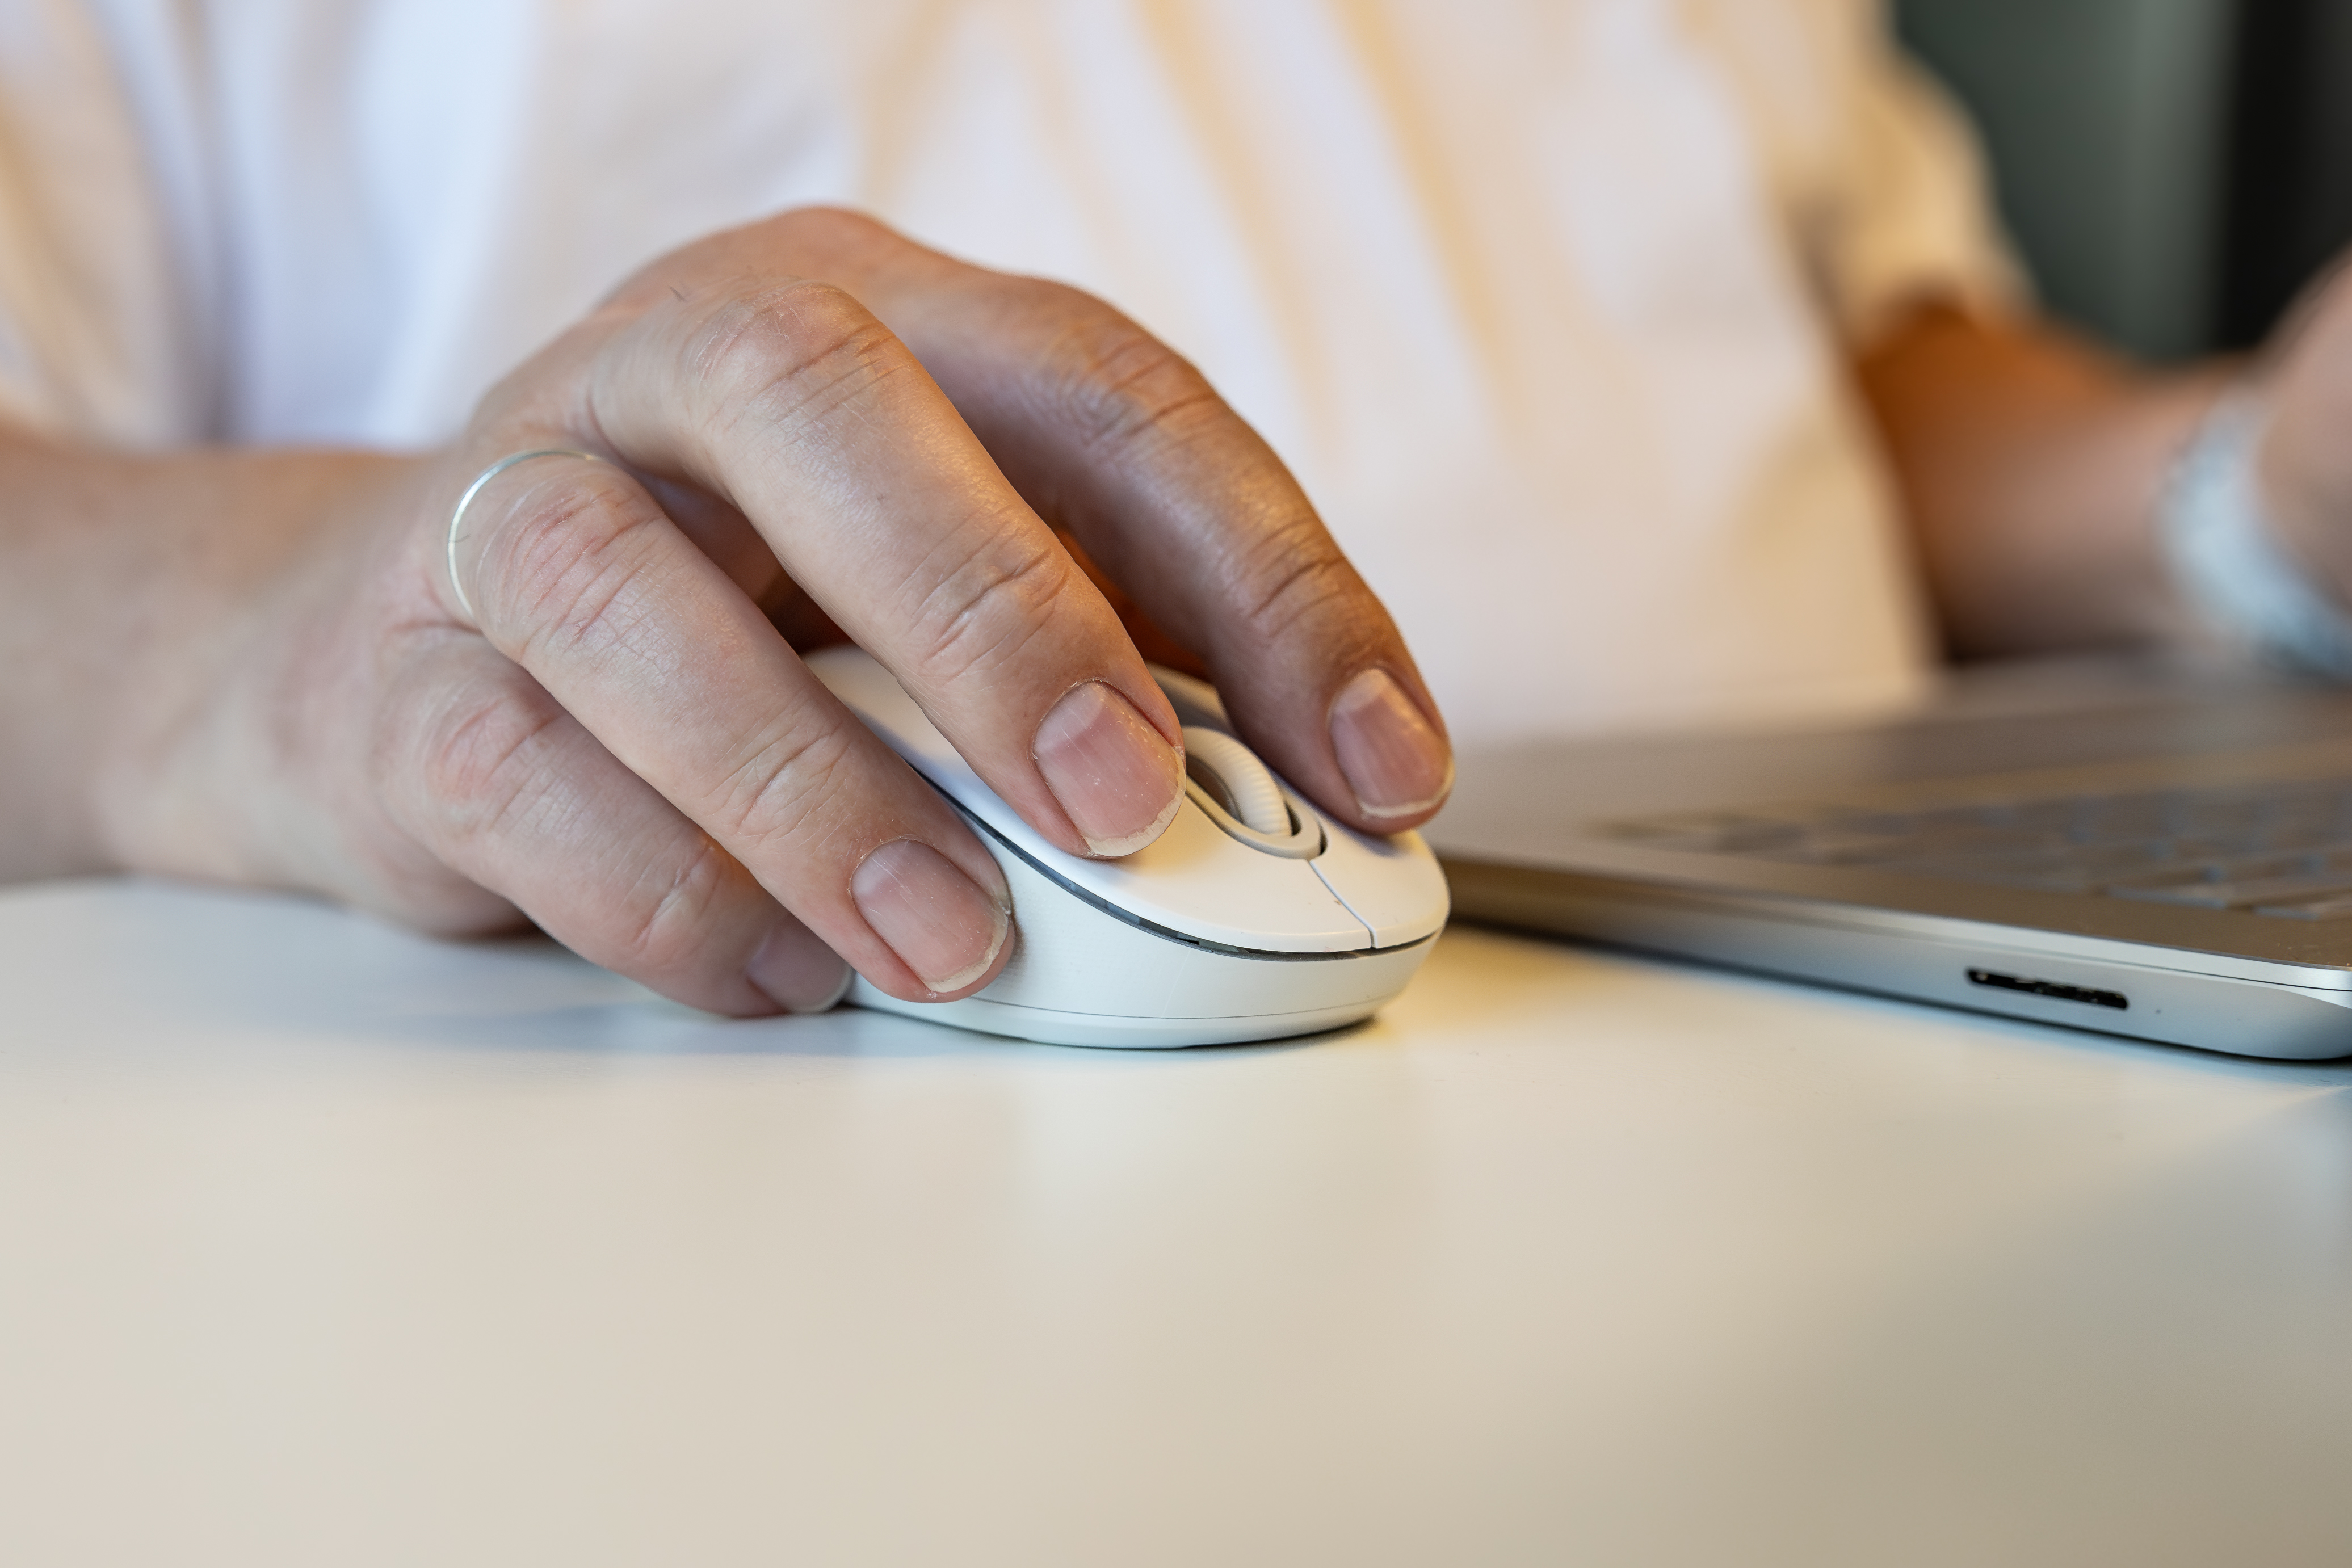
(2282, 849)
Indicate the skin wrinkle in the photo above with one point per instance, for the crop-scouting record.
(425, 888)
(801, 370)
(1070, 381)
(399, 750)
(1168, 427)
(1173, 423)
(693, 889)
(625, 623)
(1122, 423)
(813, 421)
(961, 609)
(611, 344)
(780, 769)
(658, 942)
(609, 612)
(811, 415)
(1115, 417)
(1251, 564)
(715, 340)
(554, 801)
(556, 570)
(1317, 583)
(1110, 402)
(658, 938)
(464, 770)
(565, 811)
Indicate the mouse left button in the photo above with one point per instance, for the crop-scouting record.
(875, 696)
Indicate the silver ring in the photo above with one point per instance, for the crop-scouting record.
(458, 518)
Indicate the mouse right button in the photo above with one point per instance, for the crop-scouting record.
(1394, 884)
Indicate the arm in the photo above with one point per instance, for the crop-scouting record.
(256, 666)
(126, 585)
(2030, 466)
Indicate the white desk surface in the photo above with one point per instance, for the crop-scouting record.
(323, 1244)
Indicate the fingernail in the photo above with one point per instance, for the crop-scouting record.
(946, 928)
(1396, 762)
(795, 970)
(1117, 776)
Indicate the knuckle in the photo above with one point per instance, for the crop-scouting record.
(974, 614)
(564, 564)
(1120, 386)
(831, 226)
(1299, 580)
(780, 790)
(788, 353)
(667, 929)
(476, 757)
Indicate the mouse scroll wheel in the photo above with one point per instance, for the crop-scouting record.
(1236, 778)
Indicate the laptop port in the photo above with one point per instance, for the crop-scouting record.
(2050, 988)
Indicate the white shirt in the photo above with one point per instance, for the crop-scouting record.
(1543, 301)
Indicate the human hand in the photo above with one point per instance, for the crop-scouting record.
(598, 723)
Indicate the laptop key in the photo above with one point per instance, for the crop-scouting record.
(2337, 908)
(2036, 878)
(1840, 848)
(2082, 868)
(2283, 848)
(2265, 891)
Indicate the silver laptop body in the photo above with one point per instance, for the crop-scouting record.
(2150, 850)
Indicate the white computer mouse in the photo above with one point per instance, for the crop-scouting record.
(1255, 916)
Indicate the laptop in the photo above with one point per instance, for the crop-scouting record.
(2159, 849)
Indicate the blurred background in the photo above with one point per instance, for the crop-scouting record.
(2174, 171)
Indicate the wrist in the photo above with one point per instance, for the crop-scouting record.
(67, 621)
(2301, 509)
(222, 613)
(2232, 560)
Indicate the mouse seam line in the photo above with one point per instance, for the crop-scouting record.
(1204, 944)
(1354, 914)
